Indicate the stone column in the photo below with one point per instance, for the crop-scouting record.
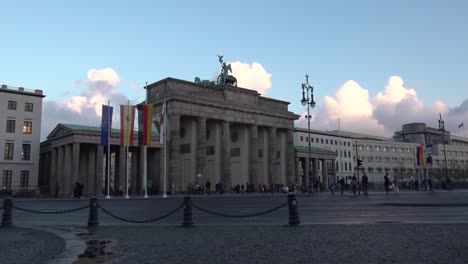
(290, 158)
(316, 172)
(134, 173)
(53, 170)
(122, 168)
(91, 170)
(76, 162)
(175, 171)
(192, 177)
(226, 164)
(334, 172)
(60, 166)
(143, 155)
(99, 170)
(324, 175)
(201, 147)
(272, 153)
(218, 153)
(69, 184)
(307, 173)
(253, 150)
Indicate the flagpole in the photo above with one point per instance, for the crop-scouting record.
(108, 147)
(339, 151)
(165, 149)
(145, 154)
(128, 167)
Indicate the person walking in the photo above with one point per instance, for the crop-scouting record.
(396, 184)
(342, 184)
(364, 182)
(354, 183)
(386, 182)
(57, 189)
(208, 186)
(331, 184)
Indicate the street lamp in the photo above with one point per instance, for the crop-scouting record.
(442, 128)
(309, 101)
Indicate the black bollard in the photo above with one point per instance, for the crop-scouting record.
(293, 214)
(7, 215)
(187, 212)
(93, 219)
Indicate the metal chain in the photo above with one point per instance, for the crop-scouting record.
(241, 216)
(51, 212)
(141, 221)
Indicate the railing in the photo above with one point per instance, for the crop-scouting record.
(94, 206)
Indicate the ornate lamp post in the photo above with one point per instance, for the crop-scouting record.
(442, 128)
(309, 101)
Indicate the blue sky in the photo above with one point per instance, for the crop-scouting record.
(52, 45)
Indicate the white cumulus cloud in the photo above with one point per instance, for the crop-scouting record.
(86, 108)
(251, 76)
(382, 115)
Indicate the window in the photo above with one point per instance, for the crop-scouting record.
(6, 180)
(10, 127)
(307, 139)
(24, 179)
(369, 148)
(349, 153)
(12, 105)
(28, 107)
(346, 166)
(311, 140)
(360, 147)
(327, 141)
(27, 127)
(26, 152)
(302, 138)
(370, 170)
(377, 148)
(385, 149)
(9, 148)
(393, 149)
(321, 140)
(336, 142)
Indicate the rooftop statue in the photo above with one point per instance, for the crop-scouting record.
(223, 78)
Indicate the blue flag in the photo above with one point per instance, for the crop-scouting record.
(106, 124)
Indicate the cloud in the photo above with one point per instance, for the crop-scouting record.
(86, 108)
(251, 76)
(385, 113)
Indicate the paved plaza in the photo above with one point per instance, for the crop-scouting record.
(412, 227)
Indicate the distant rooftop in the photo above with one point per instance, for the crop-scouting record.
(21, 90)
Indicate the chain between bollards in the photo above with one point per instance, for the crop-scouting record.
(93, 219)
(7, 215)
(187, 212)
(293, 214)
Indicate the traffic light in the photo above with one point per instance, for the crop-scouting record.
(359, 163)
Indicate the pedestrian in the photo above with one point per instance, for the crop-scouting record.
(348, 184)
(57, 189)
(364, 182)
(396, 184)
(386, 182)
(76, 189)
(354, 183)
(331, 184)
(221, 187)
(342, 184)
(208, 186)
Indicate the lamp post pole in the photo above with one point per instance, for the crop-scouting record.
(442, 128)
(309, 101)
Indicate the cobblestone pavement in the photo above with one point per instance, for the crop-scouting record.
(24, 245)
(374, 243)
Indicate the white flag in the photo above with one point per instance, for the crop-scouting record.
(162, 123)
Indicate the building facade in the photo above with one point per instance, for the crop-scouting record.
(20, 132)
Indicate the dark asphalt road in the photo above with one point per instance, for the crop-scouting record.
(412, 207)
